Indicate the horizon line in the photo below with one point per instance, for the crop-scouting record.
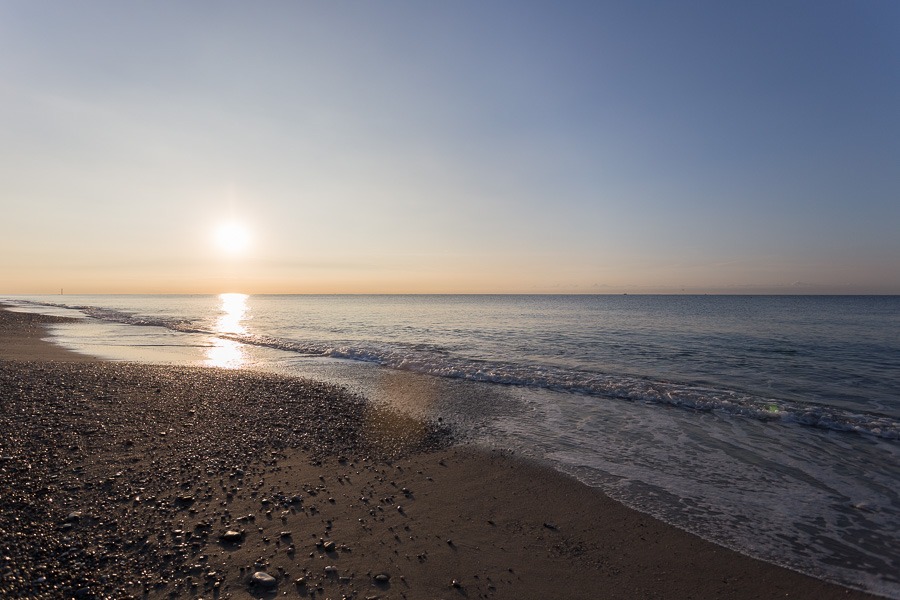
(660, 293)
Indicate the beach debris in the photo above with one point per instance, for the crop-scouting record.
(382, 578)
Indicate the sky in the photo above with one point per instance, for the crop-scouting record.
(450, 147)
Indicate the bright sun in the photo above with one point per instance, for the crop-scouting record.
(232, 238)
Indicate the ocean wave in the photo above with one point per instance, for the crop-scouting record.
(438, 362)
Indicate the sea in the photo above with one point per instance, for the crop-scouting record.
(767, 424)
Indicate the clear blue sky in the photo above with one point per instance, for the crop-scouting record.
(519, 146)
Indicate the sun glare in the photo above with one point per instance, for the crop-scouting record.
(232, 238)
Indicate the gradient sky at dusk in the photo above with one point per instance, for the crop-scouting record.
(589, 147)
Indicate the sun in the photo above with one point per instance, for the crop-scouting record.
(232, 238)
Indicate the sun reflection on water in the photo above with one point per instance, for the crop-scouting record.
(224, 352)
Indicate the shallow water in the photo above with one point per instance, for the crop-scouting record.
(768, 424)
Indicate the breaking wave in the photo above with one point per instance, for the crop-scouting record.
(432, 360)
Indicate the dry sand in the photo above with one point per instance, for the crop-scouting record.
(121, 480)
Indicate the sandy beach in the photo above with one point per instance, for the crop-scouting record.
(134, 481)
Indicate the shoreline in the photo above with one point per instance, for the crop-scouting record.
(133, 472)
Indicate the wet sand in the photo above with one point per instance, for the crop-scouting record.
(122, 480)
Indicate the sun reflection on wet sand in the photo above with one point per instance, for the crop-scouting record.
(224, 352)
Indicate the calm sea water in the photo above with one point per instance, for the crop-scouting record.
(769, 424)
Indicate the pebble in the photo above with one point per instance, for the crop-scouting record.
(263, 580)
(232, 537)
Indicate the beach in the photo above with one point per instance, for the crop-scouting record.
(122, 480)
